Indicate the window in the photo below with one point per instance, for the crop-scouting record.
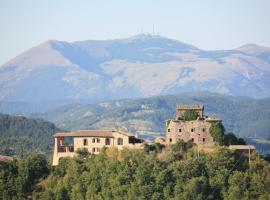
(93, 150)
(98, 140)
(98, 149)
(203, 130)
(203, 139)
(192, 130)
(170, 139)
(93, 140)
(180, 130)
(192, 139)
(169, 130)
(85, 143)
(107, 141)
(120, 141)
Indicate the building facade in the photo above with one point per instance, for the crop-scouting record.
(196, 131)
(66, 144)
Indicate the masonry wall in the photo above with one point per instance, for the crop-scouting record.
(196, 131)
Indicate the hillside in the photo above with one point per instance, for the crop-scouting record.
(135, 67)
(20, 135)
(173, 172)
(243, 116)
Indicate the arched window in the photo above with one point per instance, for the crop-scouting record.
(120, 141)
(107, 141)
(85, 142)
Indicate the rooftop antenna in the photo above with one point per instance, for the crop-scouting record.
(153, 29)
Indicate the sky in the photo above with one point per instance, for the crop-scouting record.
(207, 24)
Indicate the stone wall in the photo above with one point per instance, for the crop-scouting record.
(196, 131)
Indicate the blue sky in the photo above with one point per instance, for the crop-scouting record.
(207, 24)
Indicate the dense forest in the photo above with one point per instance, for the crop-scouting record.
(178, 171)
(20, 135)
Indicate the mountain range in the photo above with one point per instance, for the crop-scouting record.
(139, 66)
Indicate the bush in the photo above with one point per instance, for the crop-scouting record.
(190, 115)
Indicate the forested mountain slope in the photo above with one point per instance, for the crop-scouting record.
(20, 135)
(243, 116)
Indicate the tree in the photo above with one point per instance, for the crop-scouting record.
(189, 115)
(217, 132)
(196, 188)
(156, 147)
(231, 139)
(83, 152)
(238, 186)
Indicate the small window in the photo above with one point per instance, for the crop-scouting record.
(180, 130)
(203, 130)
(203, 139)
(98, 149)
(170, 139)
(192, 139)
(85, 143)
(214, 140)
(93, 140)
(169, 130)
(192, 130)
(98, 140)
(120, 141)
(107, 141)
(93, 150)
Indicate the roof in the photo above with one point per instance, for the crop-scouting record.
(194, 107)
(242, 147)
(91, 133)
(5, 158)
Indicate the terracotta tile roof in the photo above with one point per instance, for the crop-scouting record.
(198, 106)
(92, 133)
(5, 158)
(82, 133)
(242, 147)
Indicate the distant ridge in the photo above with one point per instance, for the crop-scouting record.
(139, 66)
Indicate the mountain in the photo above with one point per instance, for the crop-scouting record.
(139, 66)
(20, 135)
(244, 116)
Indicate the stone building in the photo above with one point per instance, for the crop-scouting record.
(66, 144)
(196, 131)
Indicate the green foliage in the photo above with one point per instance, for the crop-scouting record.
(18, 177)
(137, 174)
(20, 135)
(155, 148)
(83, 152)
(217, 132)
(231, 139)
(189, 115)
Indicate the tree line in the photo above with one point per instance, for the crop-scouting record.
(173, 172)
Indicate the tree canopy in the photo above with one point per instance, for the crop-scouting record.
(20, 135)
(175, 172)
(217, 132)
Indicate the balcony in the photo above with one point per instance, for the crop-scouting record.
(65, 148)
